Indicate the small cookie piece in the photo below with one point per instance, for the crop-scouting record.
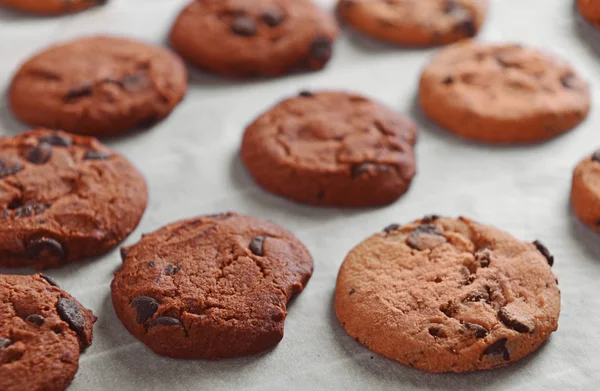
(415, 22)
(51, 7)
(448, 295)
(502, 93)
(331, 149)
(210, 287)
(43, 330)
(585, 191)
(98, 86)
(252, 38)
(63, 198)
(590, 10)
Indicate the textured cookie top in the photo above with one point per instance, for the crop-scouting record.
(505, 82)
(42, 331)
(98, 86)
(213, 287)
(255, 37)
(50, 7)
(415, 22)
(63, 197)
(448, 295)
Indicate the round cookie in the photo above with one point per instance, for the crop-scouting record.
(590, 10)
(502, 93)
(98, 86)
(51, 7)
(331, 149)
(448, 295)
(415, 22)
(210, 287)
(252, 38)
(585, 191)
(63, 198)
(42, 332)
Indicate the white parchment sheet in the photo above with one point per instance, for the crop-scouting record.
(192, 167)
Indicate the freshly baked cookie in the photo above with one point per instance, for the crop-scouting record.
(98, 86)
(210, 287)
(590, 10)
(331, 148)
(585, 191)
(51, 7)
(502, 93)
(64, 197)
(446, 295)
(42, 332)
(415, 22)
(251, 38)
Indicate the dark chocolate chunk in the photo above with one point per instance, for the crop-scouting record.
(448, 80)
(151, 264)
(145, 307)
(29, 209)
(164, 321)
(57, 140)
(306, 94)
(352, 291)
(429, 219)
(467, 26)
(4, 343)
(391, 227)
(172, 269)
(40, 154)
(596, 156)
(70, 312)
(257, 244)
(480, 331)
(8, 168)
(273, 16)
(35, 319)
(244, 25)
(513, 321)
(50, 280)
(359, 169)
(124, 251)
(437, 332)
(569, 81)
(77, 92)
(95, 155)
(321, 48)
(498, 348)
(43, 248)
(425, 237)
(542, 249)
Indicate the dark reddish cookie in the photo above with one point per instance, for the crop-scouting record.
(210, 287)
(448, 295)
(42, 332)
(98, 86)
(64, 197)
(249, 38)
(51, 7)
(590, 10)
(331, 148)
(585, 190)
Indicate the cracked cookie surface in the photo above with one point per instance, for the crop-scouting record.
(63, 198)
(43, 330)
(210, 287)
(415, 22)
(585, 191)
(331, 149)
(447, 295)
(51, 7)
(255, 37)
(98, 86)
(502, 93)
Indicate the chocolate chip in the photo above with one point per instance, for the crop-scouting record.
(321, 48)
(569, 81)
(467, 27)
(57, 140)
(429, 219)
(466, 22)
(306, 94)
(480, 331)
(151, 264)
(43, 248)
(273, 17)
(8, 168)
(448, 80)
(172, 269)
(50, 280)
(35, 319)
(244, 25)
(391, 227)
(358, 170)
(449, 309)
(4, 343)
(596, 156)
(70, 312)
(437, 332)
(513, 321)
(29, 209)
(257, 244)
(40, 154)
(352, 291)
(124, 251)
(95, 155)
(425, 237)
(164, 321)
(497, 348)
(79, 92)
(145, 307)
(542, 249)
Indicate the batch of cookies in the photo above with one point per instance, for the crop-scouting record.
(458, 295)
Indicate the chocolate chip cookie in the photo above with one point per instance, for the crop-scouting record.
(415, 22)
(63, 198)
(590, 10)
(51, 7)
(210, 287)
(502, 93)
(585, 191)
(98, 86)
(251, 38)
(448, 295)
(333, 149)
(43, 330)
